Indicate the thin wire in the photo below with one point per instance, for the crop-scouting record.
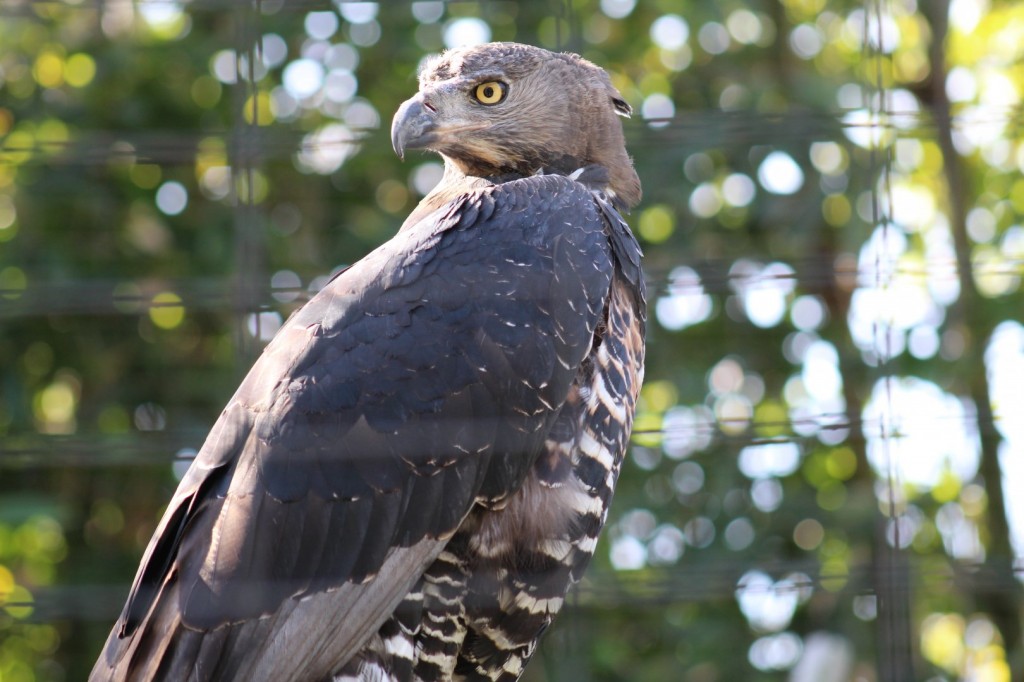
(247, 219)
(147, 448)
(29, 8)
(76, 296)
(604, 590)
(680, 134)
(896, 661)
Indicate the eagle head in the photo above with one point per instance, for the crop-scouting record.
(506, 108)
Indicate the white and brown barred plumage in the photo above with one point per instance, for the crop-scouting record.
(418, 467)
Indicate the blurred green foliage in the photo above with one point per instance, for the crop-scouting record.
(832, 223)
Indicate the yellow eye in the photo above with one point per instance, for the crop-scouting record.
(490, 92)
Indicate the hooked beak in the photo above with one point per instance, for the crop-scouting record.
(413, 126)
(416, 126)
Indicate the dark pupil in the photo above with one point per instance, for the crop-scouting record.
(488, 92)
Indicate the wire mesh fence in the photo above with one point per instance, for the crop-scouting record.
(821, 483)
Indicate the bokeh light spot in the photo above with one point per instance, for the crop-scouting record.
(466, 31)
(714, 38)
(172, 198)
(656, 224)
(303, 77)
(321, 25)
(670, 31)
(808, 534)
(657, 109)
(738, 190)
(359, 12)
(166, 310)
(780, 174)
(79, 70)
(617, 9)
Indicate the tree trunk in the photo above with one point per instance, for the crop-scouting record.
(997, 591)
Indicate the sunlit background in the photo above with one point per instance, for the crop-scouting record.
(824, 478)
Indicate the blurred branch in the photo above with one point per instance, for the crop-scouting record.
(970, 313)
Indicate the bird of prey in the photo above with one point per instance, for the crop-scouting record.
(418, 466)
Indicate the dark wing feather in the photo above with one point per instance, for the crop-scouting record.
(419, 381)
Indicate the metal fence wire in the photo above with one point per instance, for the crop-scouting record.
(821, 480)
